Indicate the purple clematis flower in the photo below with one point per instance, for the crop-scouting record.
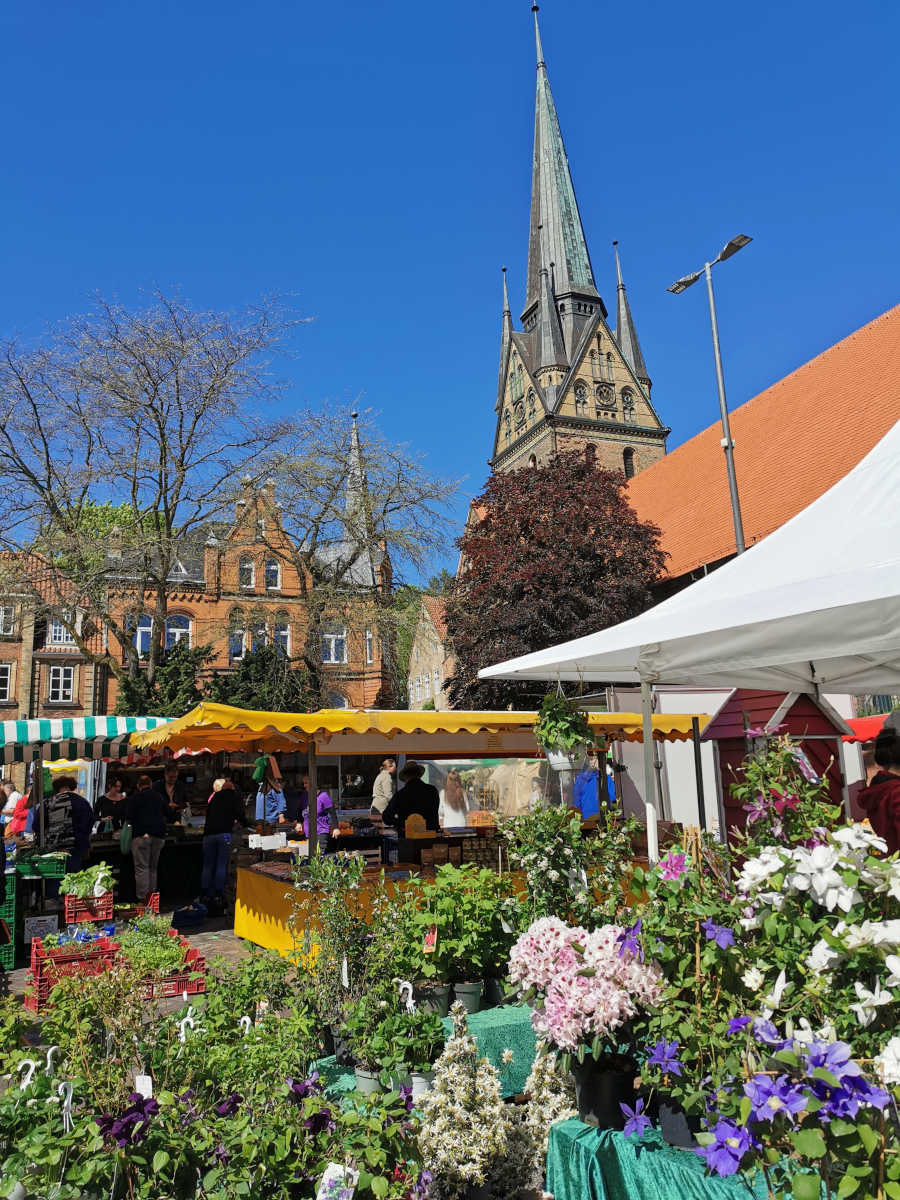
(731, 1144)
(132, 1126)
(229, 1105)
(301, 1088)
(673, 866)
(770, 1097)
(833, 1057)
(221, 1155)
(663, 1056)
(736, 1024)
(628, 942)
(765, 1032)
(406, 1096)
(637, 1123)
(320, 1122)
(720, 934)
(422, 1188)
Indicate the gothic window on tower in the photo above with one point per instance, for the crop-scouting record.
(507, 420)
(628, 462)
(628, 407)
(609, 367)
(520, 414)
(581, 402)
(530, 404)
(606, 397)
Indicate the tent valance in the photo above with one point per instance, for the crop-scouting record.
(72, 737)
(342, 730)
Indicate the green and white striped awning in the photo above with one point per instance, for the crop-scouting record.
(72, 737)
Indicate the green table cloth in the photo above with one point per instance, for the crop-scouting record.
(495, 1030)
(584, 1163)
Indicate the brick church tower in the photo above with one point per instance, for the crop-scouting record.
(566, 380)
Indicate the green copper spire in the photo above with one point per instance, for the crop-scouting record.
(556, 234)
(626, 334)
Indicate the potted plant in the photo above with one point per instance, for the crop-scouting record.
(586, 987)
(562, 731)
(405, 1045)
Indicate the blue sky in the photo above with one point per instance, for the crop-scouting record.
(374, 161)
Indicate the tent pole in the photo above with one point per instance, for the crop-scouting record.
(698, 771)
(649, 806)
(312, 802)
(37, 797)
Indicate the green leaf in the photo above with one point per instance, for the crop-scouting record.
(870, 1138)
(806, 1187)
(809, 1143)
(892, 1190)
(379, 1186)
(160, 1160)
(847, 1186)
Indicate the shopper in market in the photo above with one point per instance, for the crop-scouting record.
(67, 821)
(9, 797)
(111, 806)
(270, 802)
(20, 821)
(224, 810)
(414, 797)
(324, 814)
(454, 810)
(383, 788)
(880, 801)
(145, 809)
(173, 791)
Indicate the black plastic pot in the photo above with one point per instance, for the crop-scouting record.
(433, 998)
(342, 1052)
(676, 1126)
(599, 1091)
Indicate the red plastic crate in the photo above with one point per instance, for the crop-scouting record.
(181, 981)
(48, 969)
(151, 908)
(95, 908)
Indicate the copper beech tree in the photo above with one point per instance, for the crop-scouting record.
(551, 553)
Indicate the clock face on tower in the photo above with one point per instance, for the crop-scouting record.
(520, 414)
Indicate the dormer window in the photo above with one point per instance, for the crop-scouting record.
(7, 620)
(260, 527)
(58, 634)
(247, 574)
(273, 575)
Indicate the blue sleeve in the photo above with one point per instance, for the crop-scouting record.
(82, 821)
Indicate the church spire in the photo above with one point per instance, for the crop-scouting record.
(505, 339)
(626, 334)
(550, 344)
(354, 503)
(556, 233)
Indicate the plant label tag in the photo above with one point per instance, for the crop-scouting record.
(505, 925)
(143, 1085)
(262, 1008)
(337, 1183)
(345, 973)
(430, 943)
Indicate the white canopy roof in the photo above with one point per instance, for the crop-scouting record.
(817, 602)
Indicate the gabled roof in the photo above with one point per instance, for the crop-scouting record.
(792, 443)
(437, 611)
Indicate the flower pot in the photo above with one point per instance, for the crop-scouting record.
(367, 1081)
(494, 993)
(433, 998)
(401, 1079)
(676, 1126)
(421, 1082)
(469, 995)
(599, 1090)
(564, 760)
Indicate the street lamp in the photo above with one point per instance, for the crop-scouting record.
(679, 286)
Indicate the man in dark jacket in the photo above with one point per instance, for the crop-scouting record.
(414, 797)
(67, 821)
(145, 809)
(224, 809)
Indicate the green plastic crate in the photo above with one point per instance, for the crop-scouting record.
(7, 957)
(50, 867)
(8, 907)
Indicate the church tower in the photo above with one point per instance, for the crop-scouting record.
(566, 381)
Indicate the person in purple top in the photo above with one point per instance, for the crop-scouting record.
(324, 813)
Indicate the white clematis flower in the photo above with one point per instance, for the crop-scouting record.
(892, 962)
(869, 1002)
(887, 1063)
(860, 837)
(822, 957)
(753, 979)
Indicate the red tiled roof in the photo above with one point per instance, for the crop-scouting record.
(437, 609)
(792, 443)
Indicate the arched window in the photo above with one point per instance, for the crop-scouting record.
(532, 461)
(411, 690)
(273, 574)
(336, 700)
(370, 647)
(237, 631)
(609, 367)
(628, 462)
(531, 404)
(580, 400)
(418, 687)
(281, 633)
(507, 418)
(427, 685)
(520, 415)
(178, 629)
(247, 573)
(143, 631)
(259, 635)
(334, 644)
(628, 407)
(436, 679)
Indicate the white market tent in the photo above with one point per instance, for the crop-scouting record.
(71, 738)
(813, 606)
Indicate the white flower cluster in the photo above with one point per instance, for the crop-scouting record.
(465, 1125)
(550, 1097)
(887, 1063)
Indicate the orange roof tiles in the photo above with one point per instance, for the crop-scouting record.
(437, 609)
(792, 443)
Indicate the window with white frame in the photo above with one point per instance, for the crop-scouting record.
(236, 644)
(178, 629)
(142, 633)
(273, 575)
(58, 635)
(436, 677)
(370, 647)
(334, 644)
(281, 633)
(427, 686)
(247, 573)
(7, 620)
(259, 635)
(5, 683)
(62, 685)
(336, 700)
(418, 687)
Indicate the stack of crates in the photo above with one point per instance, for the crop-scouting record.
(8, 914)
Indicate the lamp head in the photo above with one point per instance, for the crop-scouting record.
(682, 284)
(736, 243)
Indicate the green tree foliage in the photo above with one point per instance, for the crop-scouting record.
(264, 679)
(559, 553)
(440, 584)
(175, 688)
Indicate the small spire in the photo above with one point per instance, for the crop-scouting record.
(537, 37)
(626, 334)
(506, 307)
(619, 280)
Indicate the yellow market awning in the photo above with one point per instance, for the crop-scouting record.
(371, 731)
